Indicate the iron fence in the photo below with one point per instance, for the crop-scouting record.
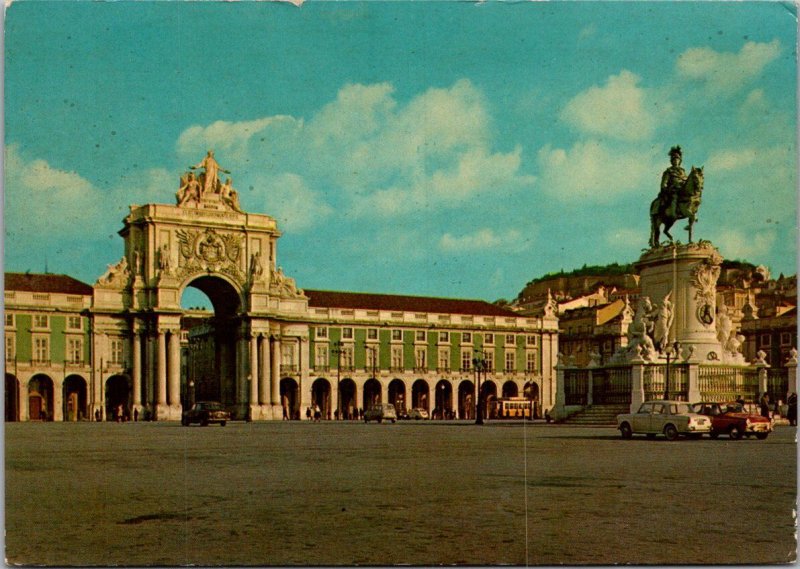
(727, 383)
(611, 385)
(576, 386)
(777, 384)
(655, 385)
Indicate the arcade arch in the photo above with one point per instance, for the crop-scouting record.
(321, 396)
(397, 395)
(443, 392)
(40, 398)
(348, 400)
(290, 400)
(488, 395)
(466, 403)
(510, 389)
(74, 398)
(12, 398)
(118, 398)
(420, 395)
(372, 393)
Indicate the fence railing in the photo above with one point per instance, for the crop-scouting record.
(576, 386)
(726, 383)
(611, 385)
(654, 382)
(777, 384)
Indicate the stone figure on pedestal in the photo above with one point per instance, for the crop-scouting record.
(662, 323)
(189, 190)
(679, 198)
(230, 197)
(209, 180)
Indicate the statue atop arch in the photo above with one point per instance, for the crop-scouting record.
(204, 189)
(679, 197)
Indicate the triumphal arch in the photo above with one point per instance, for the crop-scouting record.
(207, 242)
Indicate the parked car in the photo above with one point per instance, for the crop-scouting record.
(670, 418)
(418, 413)
(731, 419)
(205, 413)
(380, 413)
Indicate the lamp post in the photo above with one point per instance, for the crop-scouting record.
(670, 351)
(481, 366)
(191, 393)
(337, 349)
(374, 351)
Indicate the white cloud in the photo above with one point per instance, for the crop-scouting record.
(741, 244)
(482, 240)
(370, 154)
(619, 109)
(594, 172)
(33, 186)
(725, 72)
(294, 204)
(731, 159)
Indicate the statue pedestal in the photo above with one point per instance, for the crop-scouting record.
(688, 273)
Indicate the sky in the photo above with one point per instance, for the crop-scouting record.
(442, 148)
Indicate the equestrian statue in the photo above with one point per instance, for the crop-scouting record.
(679, 198)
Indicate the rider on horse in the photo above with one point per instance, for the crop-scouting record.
(672, 181)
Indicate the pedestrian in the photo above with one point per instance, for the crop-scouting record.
(135, 414)
(792, 409)
(740, 401)
(547, 416)
(764, 404)
(317, 413)
(285, 413)
(336, 414)
(308, 413)
(97, 415)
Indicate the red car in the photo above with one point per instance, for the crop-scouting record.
(731, 419)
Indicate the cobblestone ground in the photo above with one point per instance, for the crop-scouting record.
(411, 493)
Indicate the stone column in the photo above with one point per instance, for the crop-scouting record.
(558, 412)
(58, 401)
(242, 394)
(136, 367)
(637, 385)
(305, 383)
(161, 370)
(384, 391)
(254, 368)
(174, 370)
(762, 378)
(791, 369)
(275, 376)
(693, 389)
(264, 377)
(589, 386)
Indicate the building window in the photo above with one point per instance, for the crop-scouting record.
(372, 358)
(347, 357)
(530, 340)
(397, 358)
(444, 359)
(509, 339)
(444, 336)
(530, 362)
(489, 360)
(41, 349)
(466, 360)
(321, 332)
(116, 352)
(510, 367)
(9, 320)
(347, 333)
(372, 333)
(11, 347)
(397, 335)
(466, 338)
(321, 357)
(288, 361)
(41, 321)
(75, 351)
(419, 358)
(74, 323)
(488, 338)
(786, 339)
(420, 337)
(765, 340)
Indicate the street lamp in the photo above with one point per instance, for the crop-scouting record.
(670, 351)
(337, 349)
(374, 351)
(481, 366)
(191, 393)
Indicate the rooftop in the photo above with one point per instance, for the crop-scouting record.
(35, 282)
(368, 301)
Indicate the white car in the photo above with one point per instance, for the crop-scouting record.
(670, 418)
(418, 413)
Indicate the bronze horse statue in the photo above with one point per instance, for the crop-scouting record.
(687, 203)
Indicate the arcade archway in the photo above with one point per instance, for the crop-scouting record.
(321, 397)
(347, 399)
(372, 393)
(443, 408)
(510, 389)
(397, 396)
(289, 398)
(211, 308)
(12, 398)
(40, 398)
(118, 398)
(420, 394)
(466, 400)
(74, 399)
(488, 395)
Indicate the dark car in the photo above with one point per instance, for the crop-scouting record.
(205, 413)
(731, 419)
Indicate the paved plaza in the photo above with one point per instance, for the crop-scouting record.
(410, 493)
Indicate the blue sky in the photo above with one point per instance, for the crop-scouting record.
(434, 148)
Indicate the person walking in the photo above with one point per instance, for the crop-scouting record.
(317, 413)
(792, 401)
(308, 413)
(764, 405)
